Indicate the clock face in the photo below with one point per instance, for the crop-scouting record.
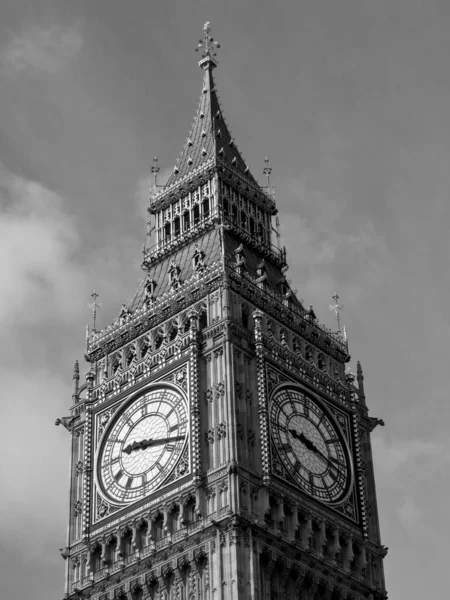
(310, 445)
(143, 445)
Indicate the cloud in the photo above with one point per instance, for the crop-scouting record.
(405, 470)
(38, 241)
(44, 49)
(408, 513)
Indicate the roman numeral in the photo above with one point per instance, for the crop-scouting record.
(174, 427)
(118, 475)
(286, 447)
(159, 467)
(129, 482)
(332, 441)
(170, 412)
(170, 447)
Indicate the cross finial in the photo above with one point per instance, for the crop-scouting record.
(155, 171)
(93, 306)
(337, 308)
(267, 170)
(208, 47)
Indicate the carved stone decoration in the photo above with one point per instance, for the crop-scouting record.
(77, 508)
(220, 389)
(68, 422)
(174, 276)
(102, 509)
(208, 395)
(221, 430)
(104, 419)
(79, 468)
(209, 436)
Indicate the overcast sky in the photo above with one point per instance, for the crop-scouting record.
(350, 99)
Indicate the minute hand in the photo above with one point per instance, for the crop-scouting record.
(146, 443)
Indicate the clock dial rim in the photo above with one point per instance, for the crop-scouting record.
(274, 409)
(138, 400)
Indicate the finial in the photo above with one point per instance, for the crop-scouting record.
(337, 308)
(267, 171)
(93, 306)
(76, 379)
(208, 47)
(155, 171)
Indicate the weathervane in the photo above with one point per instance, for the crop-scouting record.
(337, 308)
(93, 306)
(207, 45)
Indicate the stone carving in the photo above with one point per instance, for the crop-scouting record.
(221, 429)
(68, 422)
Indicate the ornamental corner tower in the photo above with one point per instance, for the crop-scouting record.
(220, 448)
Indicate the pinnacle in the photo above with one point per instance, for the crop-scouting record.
(209, 138)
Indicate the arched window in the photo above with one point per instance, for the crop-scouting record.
(127, 543)
(244, 315)
(175, 518)
(167, 232)
(196, 214)
(321, 361)
(177, 226)
(96, 559)
(205, 208)
(186, 220)
(203, 320)
(173, 332)
(159, 528)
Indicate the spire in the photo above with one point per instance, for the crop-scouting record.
(360, 379)
(209, 142)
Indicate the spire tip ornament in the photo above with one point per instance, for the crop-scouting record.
(208, 47)
(337, 309)
(93, 306)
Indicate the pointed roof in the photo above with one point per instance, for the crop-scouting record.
(209, 141)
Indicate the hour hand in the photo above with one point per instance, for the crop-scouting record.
(146, 443)
(302, 438)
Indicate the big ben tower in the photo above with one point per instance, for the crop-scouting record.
(220, 447)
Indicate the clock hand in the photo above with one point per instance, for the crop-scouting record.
(147, 443)
(302, 438)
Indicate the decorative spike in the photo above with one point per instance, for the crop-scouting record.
(203, 133)
(234, 161)
(231, 142)
(204, 152)
(189, 142)
(202, 115)
(217, 114)
(76, 380)
(221, 151)
(190, 161)
(219, 133)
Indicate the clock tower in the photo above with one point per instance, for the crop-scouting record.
(220, 446)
